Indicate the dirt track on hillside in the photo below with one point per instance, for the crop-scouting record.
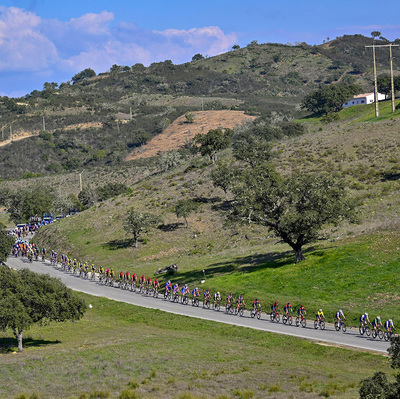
(179, 132)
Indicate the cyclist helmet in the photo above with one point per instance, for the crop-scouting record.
(218, 293)
(197, 289)
(366, 314)
(390, 321)
(320, 310)
(341, 311)
(379, 317)
(289, 304)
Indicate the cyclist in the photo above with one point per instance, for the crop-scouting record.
(207, 296)
(230, 299)
(320, 316)
(168, 286)
(156, 284)
(287, 309)
(240, 302)
(301, 312)
(339, 315)
(127, 277)
(121, 276)
(195, 292)
(142, 279)
(376, 323)
(217, 297)
(175, 289)
(275, 308)
(148, 284)
(389, 326)
(364, 320)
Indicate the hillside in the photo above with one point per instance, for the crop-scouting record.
(101, 120)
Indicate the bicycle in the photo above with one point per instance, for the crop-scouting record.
(239, 311)
(320, 324)
(206, 303)
(387, 335)
(287, 319)
(377, 333)
(364, 329)
(301, 321)
(255, 312)
(155, 292)
(229, 308)
(167, 295)
(195, 301)
(185, 300)
(175, 297)
(217, 306)
(340, 325)
(274, 316)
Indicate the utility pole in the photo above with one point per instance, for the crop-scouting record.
(391, 75)
(44, 124)
(10, 134)
(130, 112)
(391, 78)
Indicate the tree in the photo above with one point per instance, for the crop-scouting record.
(252, 147)
(222, 176)
(385, 85)
(197, 57)
(22, 204)
(214, 141)
(27, 298)
(6, 242)
(235, 47)
(378, 386)
(136, 223)
(376, 34)
(169, 160)
(330, 98)
(184, 207)
(83, 75)
(87, 197)
(61, 205)
(295, 208)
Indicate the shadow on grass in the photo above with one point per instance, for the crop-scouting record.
(246, 264)
(119, 244)
(10, 344)
(390, 176)
(170, 226)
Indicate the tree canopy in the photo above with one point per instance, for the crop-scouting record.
(136, 223)
(83, 75)
(27, 298)
(6, 242)
(330, 98)
(295, 208)
(214, 141)
(184, 207)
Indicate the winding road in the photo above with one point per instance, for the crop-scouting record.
(329, 336)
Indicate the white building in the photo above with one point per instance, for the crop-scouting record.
(366, 98)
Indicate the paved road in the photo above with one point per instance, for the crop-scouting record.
(351, 338)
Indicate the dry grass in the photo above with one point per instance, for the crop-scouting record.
(179, 132)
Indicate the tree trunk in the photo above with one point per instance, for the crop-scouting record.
(226, 196)
(299, 254)
(18, 337)
(187, 223)
(136, 241)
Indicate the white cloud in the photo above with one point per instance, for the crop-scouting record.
(58, 49)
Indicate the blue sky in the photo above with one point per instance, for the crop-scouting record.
(50, 41)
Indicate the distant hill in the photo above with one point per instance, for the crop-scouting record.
(101, 120)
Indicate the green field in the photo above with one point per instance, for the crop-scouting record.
(119, 350)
